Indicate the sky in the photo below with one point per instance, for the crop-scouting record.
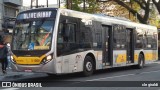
(40, 2)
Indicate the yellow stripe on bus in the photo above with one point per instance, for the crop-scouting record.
(151, 56)
(136, 57)
(147, 56)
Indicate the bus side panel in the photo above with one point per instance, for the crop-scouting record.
(136, 55)
(72, 62)
(150, 56)
(119, 58)
(99, 58)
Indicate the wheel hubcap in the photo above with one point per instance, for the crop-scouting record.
(141, 63)
(89, 66)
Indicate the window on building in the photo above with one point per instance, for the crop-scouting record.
(10, 11)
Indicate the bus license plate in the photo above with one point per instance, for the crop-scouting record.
(28, 70)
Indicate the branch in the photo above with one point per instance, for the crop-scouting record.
(125, 5)
(134, 12)
(154, 1)
(141, 3)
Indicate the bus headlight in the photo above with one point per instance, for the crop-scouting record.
(47, 59)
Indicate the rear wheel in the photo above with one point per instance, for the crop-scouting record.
(88, 66)
(140, 61)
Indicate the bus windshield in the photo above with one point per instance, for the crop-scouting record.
(33, 34)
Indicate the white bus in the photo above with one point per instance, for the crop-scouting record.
(61, 41)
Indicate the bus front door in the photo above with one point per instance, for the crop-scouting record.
(106, 44)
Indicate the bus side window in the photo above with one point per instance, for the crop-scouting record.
(60, 40)
(60, 35)
(70, 33)
(69, 37)
(66, 38)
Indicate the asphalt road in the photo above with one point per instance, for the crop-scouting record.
(125, 78)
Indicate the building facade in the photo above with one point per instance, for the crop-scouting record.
(8, 9)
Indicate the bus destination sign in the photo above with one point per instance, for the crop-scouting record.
(31, 15)
(43, 14)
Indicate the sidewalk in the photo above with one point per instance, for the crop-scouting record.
(12, 75)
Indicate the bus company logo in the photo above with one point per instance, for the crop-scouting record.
(6, 84)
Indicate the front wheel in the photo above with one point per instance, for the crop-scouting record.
(88, 66)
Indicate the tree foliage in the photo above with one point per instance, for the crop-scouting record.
(136, 9)
(90, 5)
(113, 9)
(143, 4)
(143, 10)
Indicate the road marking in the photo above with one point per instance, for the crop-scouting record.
(149, 72)
(121, 76)
(10, 89)
(110, 77)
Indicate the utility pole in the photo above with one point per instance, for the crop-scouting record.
(31, 4)
(59, 3)
(84, 5)
(36, 3)
(47, 3)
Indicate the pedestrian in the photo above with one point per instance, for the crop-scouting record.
(9, 55)
(3, 55)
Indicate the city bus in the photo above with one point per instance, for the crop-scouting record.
(60, 41)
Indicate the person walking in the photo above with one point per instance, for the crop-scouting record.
(9, 55)
(3, 55)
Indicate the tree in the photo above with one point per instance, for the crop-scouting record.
(92, 6)
(142, 3)
(75, 5)
(78, 5)
(111, 8)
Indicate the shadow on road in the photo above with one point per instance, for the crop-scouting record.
(77, 76)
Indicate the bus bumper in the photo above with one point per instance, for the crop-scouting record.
(46, 68)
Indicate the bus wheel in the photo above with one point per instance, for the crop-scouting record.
(88, 66)
(140, 61)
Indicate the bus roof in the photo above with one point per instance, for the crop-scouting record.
(104, 19)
